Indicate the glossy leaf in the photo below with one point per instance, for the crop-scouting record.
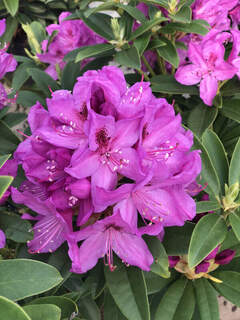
(200, 118)
(21, 75)
(183, 15)
(234, 218)
(169, 52)
(217, 155)
(234, 169)
(13, 118)
(111, 310)
(12, 311)
(91, 51)
(45, 311)
(206, 300)
(128, 288)
(145, 27)
(206, 206)
(214, 229)
(231, 109)
(128, 58)
(21, 278)
(141, 43)
(89, 309)
(196, 26)
(66, 305)
(230, 286)
(155, 282)
(172, 300)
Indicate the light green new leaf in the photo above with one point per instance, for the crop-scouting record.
(234, 169)
(11, 311)
(11, 6)
(214, 229)
(5, 182)
(21, 278)
(3, 159)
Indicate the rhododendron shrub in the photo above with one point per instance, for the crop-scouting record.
(119, 159)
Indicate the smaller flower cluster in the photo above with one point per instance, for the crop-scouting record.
(112, 161)
(70, 35)
(209, 264)
(205, 61)
(7, 64)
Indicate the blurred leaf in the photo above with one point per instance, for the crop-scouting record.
(5, 182)
(128, 58)
(230, 286)
(168, 84)
(214, 229)
(156, 283)
(196, 26)
(21, 75)
(11, 6)
(36, 34)
(43, 81)
(111, 310)
(43, 312)
(231, 87)
(21, 278)
(182, 15)
(217, 155)
(66, 305)
(14, 118)
(231, 109)
(4, 158)
(168, 52)
(206, 300)
(176, 239)
(69, 75)
(8, 140)
(128, 288)
(234, 169)
(29, 98)
(15, 228)
(206, 206)
(89, 309)
(11, 27)
(12, 311)
(178, 302)
(200, 118)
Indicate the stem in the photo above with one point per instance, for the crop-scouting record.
(144, 74)
(148, 66)
(161, 63)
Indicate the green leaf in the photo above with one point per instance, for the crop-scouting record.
(4, 158)
(160, 264)
(169, 52)
(13, 118)
(11, 27)
(231, 109)
(5, 182)
(91, 51)
(145, 27)
(176, 239)
(206, 206)
(128, 288)
(36, 34)
(43, 81)
(11, 6)
(196, 26)
(128, 58)
(230, 286)
(8, 140)
(89, 309)
(170, 307)
(141, 42)
(231, 87)
(155, 283)
(183, 15)
(12, 311)
(214, 229)
(168, 84)
(69, 75)
(15, 228)
(66, 305)
(200, 118)
(111, 310)
(208, 174)
(132, 11)
(21, 75)
(234, 169)
(29, 98)
(217, 155)
(21, 278)
(206, 300)
(43, 312)
(235, 223)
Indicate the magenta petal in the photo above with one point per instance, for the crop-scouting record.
(173, 260)
(208, 89)
(188, 75)
(103, 177)
(127, 133)
(132, 250)
(202, 267)
(85, 211)
(2, 239)
(212, 254)
(225, 256)
(2, 26)
(80, 188)
(128, 212)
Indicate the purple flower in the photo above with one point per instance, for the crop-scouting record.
(104, 237)
(2, 239)
(207, 67)
(2, 26)
(8, 169)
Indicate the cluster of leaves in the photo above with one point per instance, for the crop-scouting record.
(126, 293)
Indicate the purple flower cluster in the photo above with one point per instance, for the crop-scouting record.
(71, 34)
(112, 160)
(7, 64)
(206, 63)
